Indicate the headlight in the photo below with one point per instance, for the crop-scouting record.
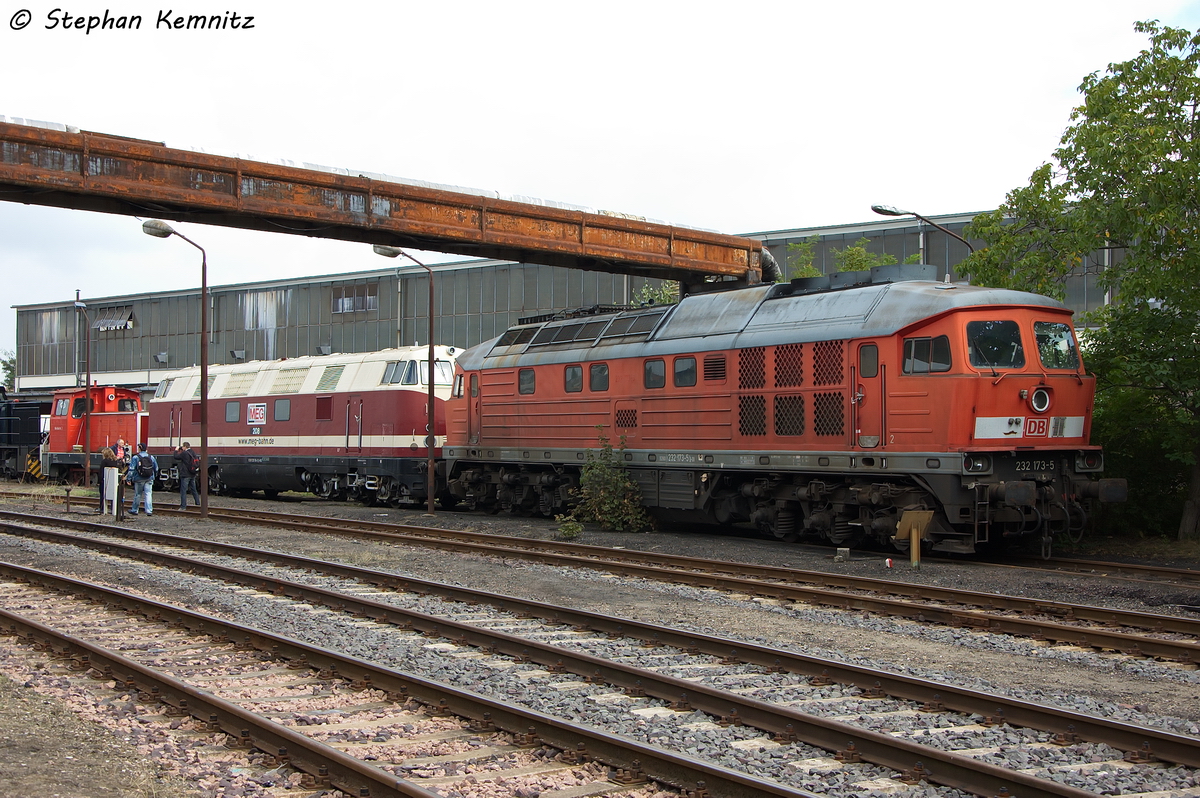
(977, 463)
(1039, 400)
(1089, 461)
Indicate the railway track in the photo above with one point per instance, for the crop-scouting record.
(244, 682)
(881, 698)
(1139, 634)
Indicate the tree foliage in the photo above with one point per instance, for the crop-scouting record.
(799, 262)
(8, 361)
(1125, 179)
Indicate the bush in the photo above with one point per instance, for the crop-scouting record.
(608, 493)
(1139, 440)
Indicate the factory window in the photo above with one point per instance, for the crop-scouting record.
(925, 355)
(324, 408)
(995, 345)
(354, 298)
(233, 411)
(654, 374)
(573, 379)
(526, 381)
(685, 372)
(283, 409)
(598, 377)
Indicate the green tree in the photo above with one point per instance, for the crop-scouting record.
(1126, 176)
(799, 262)
(8, 361)
(665, 293)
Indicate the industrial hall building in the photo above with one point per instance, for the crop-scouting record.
(135, 339)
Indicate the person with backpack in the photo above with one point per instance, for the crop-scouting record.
(189, 465)
(143, 468)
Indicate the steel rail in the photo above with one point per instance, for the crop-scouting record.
(1038, 628)
(687, 570)
(658, 764)
(1166, 746)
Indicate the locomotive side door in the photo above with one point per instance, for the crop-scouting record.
(473, 409)
(354, 423)
(867, 397)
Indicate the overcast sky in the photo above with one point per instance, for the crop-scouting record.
(736, 117)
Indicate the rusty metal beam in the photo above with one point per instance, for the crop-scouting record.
(113, 174)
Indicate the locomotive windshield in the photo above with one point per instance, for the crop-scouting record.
(1056, 345)
(995, 345)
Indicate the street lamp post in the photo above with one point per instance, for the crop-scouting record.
(889, 210)
(87, 397)
(430, 467)
(160, 229)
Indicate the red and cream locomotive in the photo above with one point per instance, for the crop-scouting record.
(827, 407)
(339, 426)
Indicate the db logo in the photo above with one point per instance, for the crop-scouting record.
(1037, 427)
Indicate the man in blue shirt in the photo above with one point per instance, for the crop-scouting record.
(143, 469)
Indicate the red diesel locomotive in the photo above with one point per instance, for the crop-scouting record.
(115, 413)
(827, 407)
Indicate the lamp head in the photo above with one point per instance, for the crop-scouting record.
(386, 251)
(890, 210)
(157, 228)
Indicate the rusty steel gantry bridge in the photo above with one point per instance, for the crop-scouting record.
(112, 174)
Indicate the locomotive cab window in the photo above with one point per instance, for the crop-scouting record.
(924, 355)
(685, 372)
(598, 377)
(126, 405)
(474, 385)
(60, 407)
(995, 345)
(654, 374)
(77, 410)
(1056, 345)
(526, 381)
(573, 379)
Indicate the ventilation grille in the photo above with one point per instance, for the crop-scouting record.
(289, 380)
(329, 378)
(239, 384)
(714, 368)
(829, 415)
(752, 368)
(827, 363)
(789, 415)
(752, 415)
(789, 366)
(626, 418)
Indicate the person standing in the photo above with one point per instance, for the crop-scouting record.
(110, 475)
(143, 468)
(188, 466)
(121, 449)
